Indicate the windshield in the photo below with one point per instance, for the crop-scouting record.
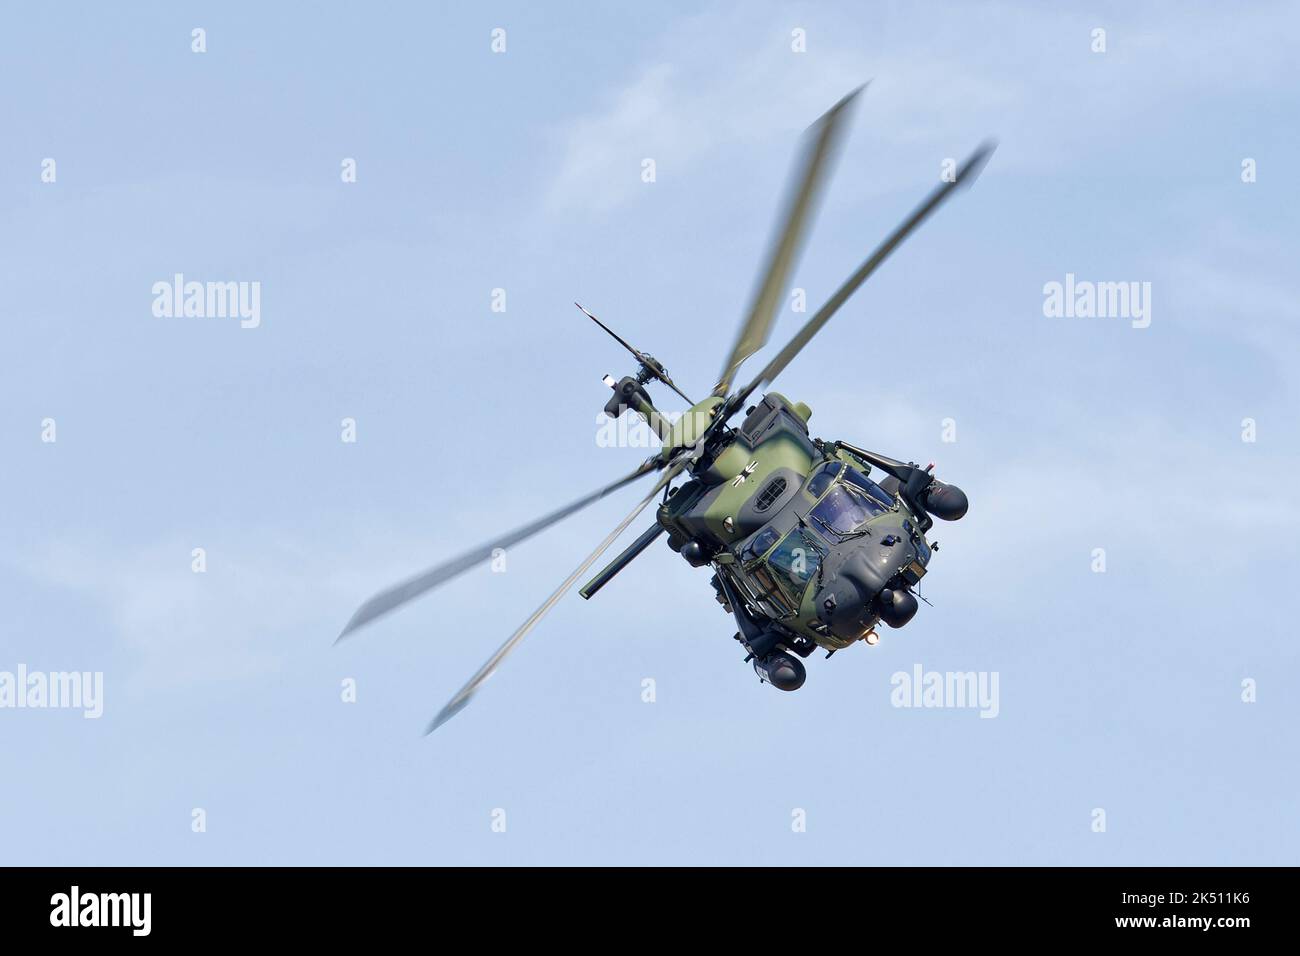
(844, 509)
(870, 487)
(795, 562)
(822, 477)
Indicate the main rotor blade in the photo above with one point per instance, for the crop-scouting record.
(399, 594)
(966, 176)
(788, 240)
(464, 695)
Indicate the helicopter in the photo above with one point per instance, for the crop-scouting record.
(807, 549)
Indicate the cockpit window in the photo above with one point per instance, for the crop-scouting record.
(795, 562)
(869, 486)
(844, 509)
(823, 477)
(759, 545)
(770, 594)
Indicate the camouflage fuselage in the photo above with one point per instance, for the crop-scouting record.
(776, 519)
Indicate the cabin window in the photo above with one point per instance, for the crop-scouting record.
(774, 490)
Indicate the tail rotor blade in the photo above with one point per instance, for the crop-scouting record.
(648, 362)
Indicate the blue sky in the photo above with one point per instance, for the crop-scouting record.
(521, 171)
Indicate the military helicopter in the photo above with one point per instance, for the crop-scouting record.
(807, 550)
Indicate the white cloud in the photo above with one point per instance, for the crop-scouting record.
(728, 78)
(690, 102)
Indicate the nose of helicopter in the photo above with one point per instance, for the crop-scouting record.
(863, 581)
